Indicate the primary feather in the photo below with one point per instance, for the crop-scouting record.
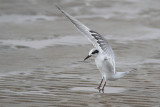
(95, 38)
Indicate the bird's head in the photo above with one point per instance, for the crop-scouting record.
(92, 52)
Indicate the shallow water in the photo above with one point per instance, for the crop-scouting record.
(41, 57)
(93, 89)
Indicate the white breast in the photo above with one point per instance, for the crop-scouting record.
(104, 66)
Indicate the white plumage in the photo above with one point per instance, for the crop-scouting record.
(105, 59)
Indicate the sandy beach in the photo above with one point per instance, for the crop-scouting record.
(41, 53)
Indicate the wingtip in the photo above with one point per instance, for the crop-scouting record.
(57, 7)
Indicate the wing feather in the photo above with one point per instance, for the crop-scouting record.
(81, 27)
(95, 38)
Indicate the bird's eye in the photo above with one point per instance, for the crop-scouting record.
(94, 52)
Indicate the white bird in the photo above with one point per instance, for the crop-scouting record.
(105, 59)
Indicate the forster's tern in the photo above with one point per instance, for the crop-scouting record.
(105, 59)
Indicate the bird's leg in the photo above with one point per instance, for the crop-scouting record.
(100, 84)
(103, 87)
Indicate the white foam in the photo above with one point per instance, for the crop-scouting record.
(24, 18)
(73, 40)
(39, 44)
(108, 16)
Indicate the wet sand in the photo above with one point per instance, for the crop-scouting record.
(41, 57)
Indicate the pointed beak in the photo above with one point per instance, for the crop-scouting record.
(87, 57)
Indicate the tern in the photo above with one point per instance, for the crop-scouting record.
(105, 58)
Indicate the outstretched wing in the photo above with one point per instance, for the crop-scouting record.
(95, 38)
(105, 47)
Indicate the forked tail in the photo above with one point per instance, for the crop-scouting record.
(122, 74)
(131, 71)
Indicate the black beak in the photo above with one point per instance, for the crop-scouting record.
(87, 57)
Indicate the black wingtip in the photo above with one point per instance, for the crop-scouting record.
(57, 7)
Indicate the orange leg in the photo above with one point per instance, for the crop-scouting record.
(100, 84)
(103, 87)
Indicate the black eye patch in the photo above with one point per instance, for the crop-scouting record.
(94, 52)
